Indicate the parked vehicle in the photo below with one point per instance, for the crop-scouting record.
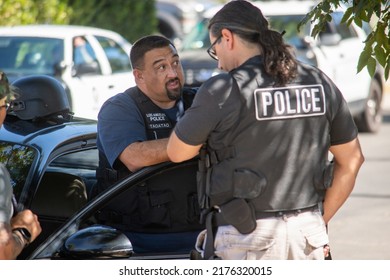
(52, 159)
(92, 64)
(336, 51)
(82, 238)
(176, 18)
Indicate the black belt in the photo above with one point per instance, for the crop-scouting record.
(275, 214)
(220, 221)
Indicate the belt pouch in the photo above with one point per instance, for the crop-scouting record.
(239, 214)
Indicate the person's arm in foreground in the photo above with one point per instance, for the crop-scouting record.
(179, 151)
(348, 158)
(12, 241)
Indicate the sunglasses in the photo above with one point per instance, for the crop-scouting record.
(211, 50)
(6, 106)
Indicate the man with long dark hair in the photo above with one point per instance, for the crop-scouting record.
(264, 131)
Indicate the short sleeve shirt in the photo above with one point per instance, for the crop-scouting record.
(283, 133)
(216, 107)
(120, 123)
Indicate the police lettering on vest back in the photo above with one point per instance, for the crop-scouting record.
(289, 102)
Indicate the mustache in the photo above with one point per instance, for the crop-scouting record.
(173, 80)
(174, 95)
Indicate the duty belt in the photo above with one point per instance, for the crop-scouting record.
(219, 220)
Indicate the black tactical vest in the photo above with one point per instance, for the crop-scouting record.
(166, 203)
(245, 169)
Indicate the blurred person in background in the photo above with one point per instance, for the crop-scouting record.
(17, 229)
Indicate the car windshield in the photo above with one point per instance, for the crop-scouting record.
(198, 38)
(30, 55)
(18, 160)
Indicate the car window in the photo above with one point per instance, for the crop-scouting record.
(343, 29)
(30, 55)
(66, 184)
(84, 58)
(18, 160)
(82, 163)
(83, 52)
(198, 38)
(289, 25)
(118, 58)
(337, 27)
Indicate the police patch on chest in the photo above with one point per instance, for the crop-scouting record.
(289, 102)
(158, 121)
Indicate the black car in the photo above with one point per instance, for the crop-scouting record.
(52, 159)
(81, 237)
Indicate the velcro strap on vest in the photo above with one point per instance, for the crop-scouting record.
(209, 250)
(221, 155)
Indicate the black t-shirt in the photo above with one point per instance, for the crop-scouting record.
(216, 108)
(284, 133)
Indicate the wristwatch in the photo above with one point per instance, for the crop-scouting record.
(25, 234)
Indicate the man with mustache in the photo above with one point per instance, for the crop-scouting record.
(133, 131)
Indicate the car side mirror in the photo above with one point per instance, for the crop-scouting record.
(308, 41)
(86, 69)
(327, 39)
(59, 68)
(97, 242)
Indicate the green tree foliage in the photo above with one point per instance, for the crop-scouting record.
(131, 18)
(374, 12)
(16, 12)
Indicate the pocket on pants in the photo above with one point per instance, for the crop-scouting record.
(232, 239)
(317, 237)
(230, 244)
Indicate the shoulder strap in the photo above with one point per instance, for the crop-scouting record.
(188, 96)
(228, 152)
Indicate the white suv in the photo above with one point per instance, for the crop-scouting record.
(92, 64)
(336, 51)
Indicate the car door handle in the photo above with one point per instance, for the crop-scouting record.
(111, 86)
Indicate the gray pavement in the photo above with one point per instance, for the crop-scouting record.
(361, 228)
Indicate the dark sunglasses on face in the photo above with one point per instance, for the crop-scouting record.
(6, 106)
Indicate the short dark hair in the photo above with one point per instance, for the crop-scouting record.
(145, 44)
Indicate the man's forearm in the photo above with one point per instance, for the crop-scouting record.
(348, 160)
(11, 244)
(141, 154)
(337, 194)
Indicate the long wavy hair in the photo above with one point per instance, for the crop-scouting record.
(248, 22)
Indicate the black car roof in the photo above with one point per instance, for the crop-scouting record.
(30, 132)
